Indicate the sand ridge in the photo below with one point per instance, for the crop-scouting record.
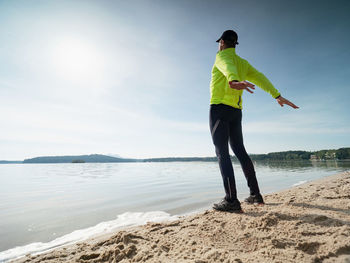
(306, 223)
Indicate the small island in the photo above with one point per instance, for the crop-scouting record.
(78, 161)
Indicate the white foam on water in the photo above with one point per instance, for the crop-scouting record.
(123, 220)
(299, 183)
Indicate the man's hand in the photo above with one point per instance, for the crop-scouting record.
(238, 85)
(281, 101)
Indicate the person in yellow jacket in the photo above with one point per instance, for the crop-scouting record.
(230, 76)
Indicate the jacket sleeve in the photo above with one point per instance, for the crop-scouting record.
(224, 62)
(259, 79)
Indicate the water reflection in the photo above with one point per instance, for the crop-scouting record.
(83, 170)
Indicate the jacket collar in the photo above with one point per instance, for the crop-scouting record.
(230, 49)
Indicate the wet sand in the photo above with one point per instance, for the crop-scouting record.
(306, 223)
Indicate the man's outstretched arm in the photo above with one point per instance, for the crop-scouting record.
(259, 79)
(263, 82)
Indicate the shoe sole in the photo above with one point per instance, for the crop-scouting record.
(229, 210)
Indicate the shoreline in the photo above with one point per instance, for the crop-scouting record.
(305, 223)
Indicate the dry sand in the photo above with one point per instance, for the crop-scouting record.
(307, 223)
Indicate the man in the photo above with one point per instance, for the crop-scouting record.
(229, 78)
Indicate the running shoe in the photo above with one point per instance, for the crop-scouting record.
(224, 205)
(255, 199)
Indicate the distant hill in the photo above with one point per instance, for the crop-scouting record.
(92, 158)
(339, 154)
(3, 161)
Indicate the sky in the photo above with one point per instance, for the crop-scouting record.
(131, 78)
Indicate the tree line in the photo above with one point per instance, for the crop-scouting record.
(339, 154)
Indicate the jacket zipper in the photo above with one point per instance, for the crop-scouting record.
(239, 100)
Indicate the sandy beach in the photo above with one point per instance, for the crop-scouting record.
(306, 223)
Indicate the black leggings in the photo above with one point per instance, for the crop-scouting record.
(225, 126)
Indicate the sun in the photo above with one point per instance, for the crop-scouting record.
(76, 58)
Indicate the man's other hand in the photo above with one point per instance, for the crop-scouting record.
(281, 101)
(238, 85)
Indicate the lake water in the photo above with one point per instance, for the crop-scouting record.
(46, 205)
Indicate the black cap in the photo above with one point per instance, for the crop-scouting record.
(229, 35)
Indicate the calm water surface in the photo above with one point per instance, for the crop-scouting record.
(41, 202)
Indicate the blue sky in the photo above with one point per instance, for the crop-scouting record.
(131, 78)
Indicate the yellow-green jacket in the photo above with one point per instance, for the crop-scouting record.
(229, 66)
